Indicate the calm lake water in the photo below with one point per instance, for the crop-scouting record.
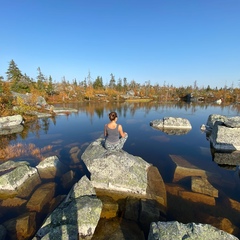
(154, 146)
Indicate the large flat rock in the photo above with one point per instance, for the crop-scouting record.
(115, 170)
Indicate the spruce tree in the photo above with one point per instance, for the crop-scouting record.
(14, 75)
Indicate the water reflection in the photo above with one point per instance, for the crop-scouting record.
(70, 134)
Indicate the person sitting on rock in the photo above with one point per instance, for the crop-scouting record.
(114, 135)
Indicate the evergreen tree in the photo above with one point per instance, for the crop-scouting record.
(125, 84)
(112, 82)
(14, 75)
(40, 80)
(24, 84)
(98, 83)
(74, 82)
(89, 78)
(119, 84)
(50, 86)
(208, 88)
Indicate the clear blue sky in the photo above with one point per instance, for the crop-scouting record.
(176, 42)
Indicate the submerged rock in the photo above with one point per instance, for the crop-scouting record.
(21, 227)
(51, 167)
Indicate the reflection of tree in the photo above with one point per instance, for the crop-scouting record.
(33, 127)
(53, 120)
(99, 111)
(4, 142)
(45, 124)
(23, 150)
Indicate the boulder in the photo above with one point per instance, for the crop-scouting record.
(14, 202)
(10, 165)
(119, 229)
(186, 169)
(67, 179)
(3, 232)
(74, 155)
(51, 168)
(76, 217)
(175, 230)
(64, 110)
(82, 188)
(202, 185)
(233, 122)
(136, 186)
(212, 118)
(41, 197)
(197, 198)
(232, 158)
(222, 223)
(21, 227)
(9, 121)
(19, 181)
(224, 132)
(41, 102)
(171, 122)
(115, 170)
(225, 138)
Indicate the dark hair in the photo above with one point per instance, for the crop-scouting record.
(112, 116)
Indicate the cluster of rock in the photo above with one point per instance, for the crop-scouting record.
(199, 196)
(137, 185)
(76, 217)
(30, 190)
(224, 132)
(121, 185)
(141, 199)
(15, 123)
(27, 99)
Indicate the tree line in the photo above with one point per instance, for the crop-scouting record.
(93, 89)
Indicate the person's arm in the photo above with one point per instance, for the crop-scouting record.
(120, 130)
(105, 130)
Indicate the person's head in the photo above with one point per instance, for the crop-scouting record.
(112, 116)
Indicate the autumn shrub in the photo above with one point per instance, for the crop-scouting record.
(21, 107)
(5, 105)
(111, 92)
